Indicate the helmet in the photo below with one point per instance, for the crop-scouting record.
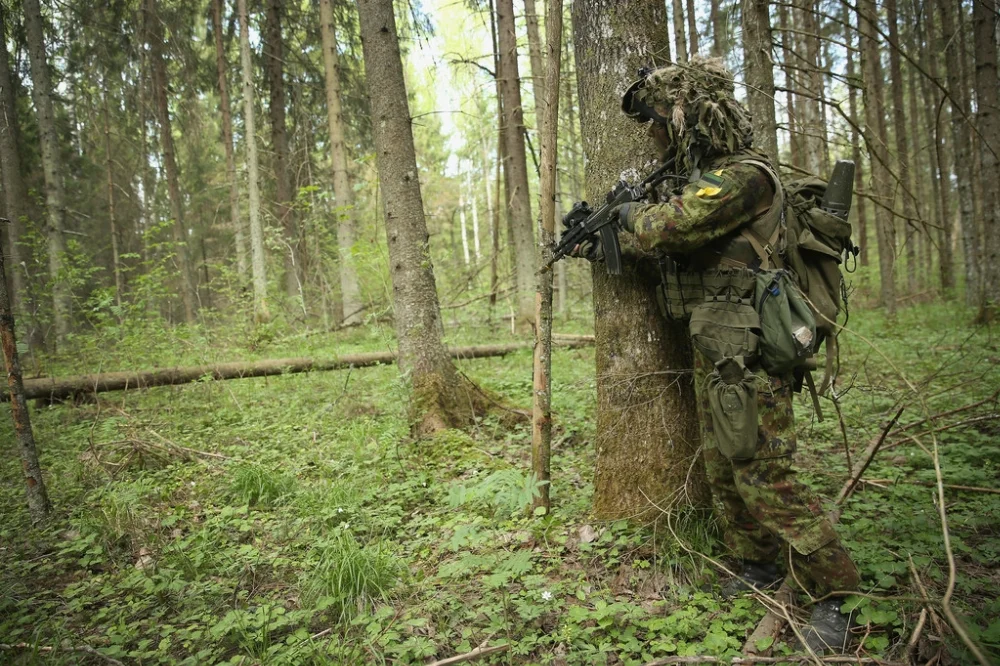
(695, 102)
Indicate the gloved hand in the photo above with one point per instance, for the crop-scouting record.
(590, 249)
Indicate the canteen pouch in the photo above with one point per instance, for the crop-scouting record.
(725, 329)
(787, 324)
(732, 398)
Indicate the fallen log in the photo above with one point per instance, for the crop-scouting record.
(61, 388)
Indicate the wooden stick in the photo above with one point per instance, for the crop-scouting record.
(947, 426)
(848, 488)
(50, 649)
(930, 484)
(54, 388)
(469, 656)
(791, 659)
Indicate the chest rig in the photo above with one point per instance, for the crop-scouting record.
(726, 269)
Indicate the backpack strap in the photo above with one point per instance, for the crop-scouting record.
(768, 249)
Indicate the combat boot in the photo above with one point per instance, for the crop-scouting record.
(828, 630)
(762, 575)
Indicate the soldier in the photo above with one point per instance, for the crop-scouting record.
(712, 236)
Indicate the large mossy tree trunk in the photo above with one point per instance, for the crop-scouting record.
(441, 399)
(760, 75)
(647, 429)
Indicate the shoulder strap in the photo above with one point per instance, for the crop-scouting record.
(767, 249)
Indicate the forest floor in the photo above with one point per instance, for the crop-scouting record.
(291, 520)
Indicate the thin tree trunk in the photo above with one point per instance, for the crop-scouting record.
(680, 42)
(439, 397)
(875, 132)
(343, 191)
(227, 142)
(692, 28)
(853, 83)
(988, 122)
(15, 195)
(936, 119)
(145, 170)
(719, 18)
(519, 202)
(257, 263)
(647, 430)
(474, 204)
(38, 499)
(541, 421)
(55, 195)
(274, 60)
(926, 198)
(466, 256)
(902, 146)
(950, 50)
(811, 121)
(787, 56)
(112, 224)
(535, 57)
(760, 76)
(161, 88)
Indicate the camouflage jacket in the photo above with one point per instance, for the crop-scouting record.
(727, 196)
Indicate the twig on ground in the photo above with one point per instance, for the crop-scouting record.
(848, 488)
(70, 648)
(881, 483)
(911, 647)
(948, 426)
(469, 656)
(791, 659)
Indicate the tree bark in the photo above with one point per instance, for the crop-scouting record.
(811, 125)
(692, 35)
(63, 388)
(535, 58)
(15, 196)
(274, 60)
(439, 397)
(647, 432)
(519, 202)
(760, 76)
(950, 51)
(988, 122)
(55, 194)
(854, 82)
(161, 88)
(719, 18)
(541, 430)
(875, 135)
(680, 42)
(227, 142)
(257, 262)
(342, 189)
(789, 60)
(112, 223)
(903, 189)
(38, 499)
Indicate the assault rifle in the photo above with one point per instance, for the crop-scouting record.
(583, 223)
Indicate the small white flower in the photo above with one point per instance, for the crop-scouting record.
(340, 509)
(345, 526)
(546, 596)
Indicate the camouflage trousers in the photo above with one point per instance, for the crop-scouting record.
(769, 512)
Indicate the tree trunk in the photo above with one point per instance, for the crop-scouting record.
(519, 202)
(15, 196)
(535, 58)
(55, 195)
(474, 204)
(853, 83)
(227, 142)
(719, 18)
(680, 42)
(935, 126)
(647, 430)
(38, 499)
(988, 121)
(161, 88)
(342, 189)
(875, 133)
(541, 431)
(112, 223)
(760, 76)
(789, 60)
(257, 264)
(961, 114)
(274, 60)
(901, 132)
(810, 116)
(463, 228)
(692, 28)
(63, 388)
(440, 399)
(924, 191)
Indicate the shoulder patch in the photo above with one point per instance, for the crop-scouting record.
(713, 178)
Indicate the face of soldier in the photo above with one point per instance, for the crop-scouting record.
(659, 135)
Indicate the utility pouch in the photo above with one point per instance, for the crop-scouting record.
(725, 329)
(787, 324)
(732, 396)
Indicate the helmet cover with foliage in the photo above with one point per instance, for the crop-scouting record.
(695, 103)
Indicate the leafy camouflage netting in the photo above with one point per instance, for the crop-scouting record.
(697, 100)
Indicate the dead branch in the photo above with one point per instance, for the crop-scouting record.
(791, 659)
(48, 649)
(848, 488)
(469, 656)
(55, 388)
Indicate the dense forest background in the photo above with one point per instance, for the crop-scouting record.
(202, 190)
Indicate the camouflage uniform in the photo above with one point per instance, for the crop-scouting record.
(765, 503)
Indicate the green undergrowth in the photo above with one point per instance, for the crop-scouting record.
(291, 519)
